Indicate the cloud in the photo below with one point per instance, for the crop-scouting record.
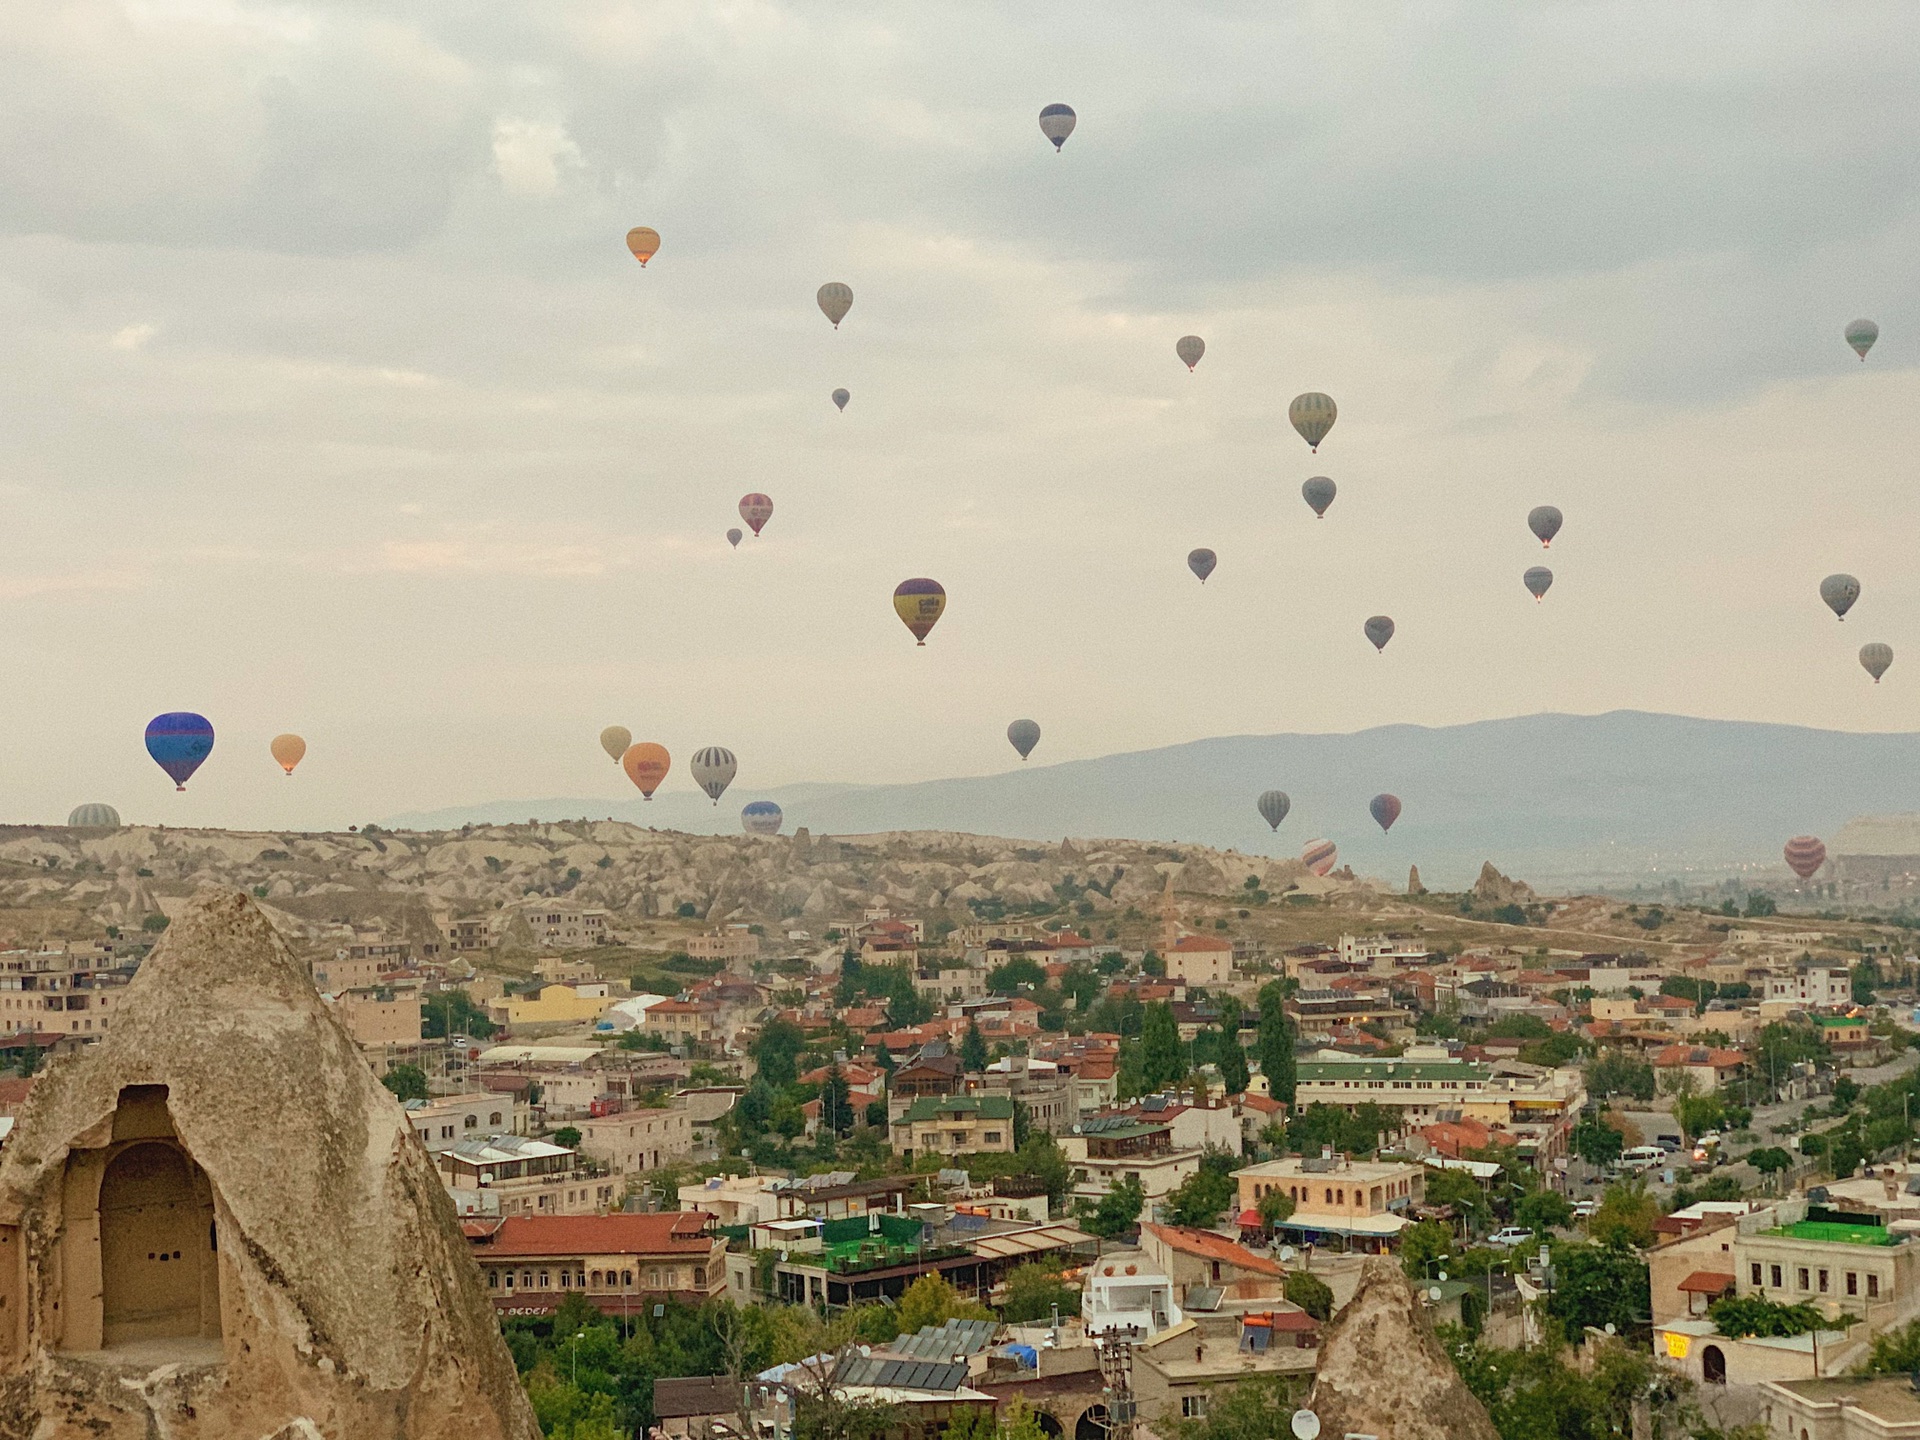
(133, 337)
(530, 155)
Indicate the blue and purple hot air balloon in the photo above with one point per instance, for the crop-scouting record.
(761, 817)
(179, 742)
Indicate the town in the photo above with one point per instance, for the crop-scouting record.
(1094, 1158)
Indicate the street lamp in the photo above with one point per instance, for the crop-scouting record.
(579, 1335)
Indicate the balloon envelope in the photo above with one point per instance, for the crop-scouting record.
(919, 603)
(1538, 581)
(614, 740)
(1318, 856)
(179, 742)
(1805, 855)
(840, 398)
(1379, 630)
(835, 300)
(1860, 335)
(1544, 521)
(1023, 735)
(1840, 591)
(1313, 415)
(756, 509)
(644, 242)
(1057, 122)
(1190, 348)
(761, 817)
(1318, 493)
(1273, 807)
(1201, 562)
(1876, 658)
(287, 751)
(94, 817)
(1385, 809)
(734, 537)
(713, 769)
(646, 765)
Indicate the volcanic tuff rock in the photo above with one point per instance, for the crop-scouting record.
(215, 1225)
(1493, 888)
(1414, 887)
(1382, 1373)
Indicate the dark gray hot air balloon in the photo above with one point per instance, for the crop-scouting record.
(1201, 562)
(1385, 809)
(1319, 492)
(1544, 522)
(1024, 735)
(1057, 122)
(735, 536)
(94, 817)
(835, 300)
(713, 770)
(1273, 807)
(840, 398)
(1190, 348)
(1840, 591)
(1860, 335)
(1538, 581)
(1313, 415)
(1876, 658)
(1379, 630)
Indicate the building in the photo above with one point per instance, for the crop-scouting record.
(1381, 954)
(514, 1175)
(65, 992)
(1705, 1067)
(378, 1017)
(733, 1200)
(1841, 1407)
(1125, 1289)
(619, 1262)
(683, 1022)
(1051, 1098)
(471, 935)
(1843, 1268)
(1200, 1258)
(1536, 1105)
(1810, 987)
(932, 1073)
(630, 1142)
(699, 1407)
(1200, 960)
(955, 1125)
(1190, 1126)
(444, 1120)
(733, 945)
(558, 926)
(1361, 1204)
(944, 982)
(1106, 1150)
(553, 1003)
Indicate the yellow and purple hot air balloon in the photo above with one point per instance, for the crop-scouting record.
(179, 743)
(1318, 856)
(919, 603)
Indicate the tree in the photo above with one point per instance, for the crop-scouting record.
(1274, 1207)
(1009, 975)
(1276, 1042)
(1115, 1211)
(1542, 1211)
(568, 1136)
(1759, 906)
(1597, 1142)
(836, 1102)
(1311, 1294)
(408, 1082)
(776, 1051)
(1741, 1315)
(1614, 1072)
(1599, 1284)
(973, 1048)
(930, 1300)
(1425, 1247)
(1896, 1352)
(1770, 1160)
(1625, 1215)
(453, 1012)
(1458, 1189)
(1199, 1199)
(1160, 1047)
(1022, 1124)
(1232, 1059)
(905, 1005)
(1033, 1291)
(1257, 1408)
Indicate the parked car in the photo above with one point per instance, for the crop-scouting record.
(1643, 1157)
(1510, 1236)
(1583, 1209)
(1667, 1142)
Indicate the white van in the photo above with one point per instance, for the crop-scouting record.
(1644, 1157)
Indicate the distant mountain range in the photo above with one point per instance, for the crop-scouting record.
(1618, 799)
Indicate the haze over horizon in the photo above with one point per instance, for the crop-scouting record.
(336, 404)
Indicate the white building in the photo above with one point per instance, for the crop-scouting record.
(1378, 952)
(1124, 1288)
(445, 1120)
(1812, 986)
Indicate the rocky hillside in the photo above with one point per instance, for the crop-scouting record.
(120, 877)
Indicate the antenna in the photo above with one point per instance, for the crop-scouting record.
(1116, 1370)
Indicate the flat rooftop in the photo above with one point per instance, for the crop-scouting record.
(1835, 1233)
(1889, 1398)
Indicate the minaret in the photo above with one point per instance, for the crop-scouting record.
(1169, 921)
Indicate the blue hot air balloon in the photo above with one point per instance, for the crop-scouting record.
(761, 817)
(179, 742)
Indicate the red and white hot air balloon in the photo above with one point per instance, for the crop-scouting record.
(1805, 855)
(1319, 855)
(756, 509)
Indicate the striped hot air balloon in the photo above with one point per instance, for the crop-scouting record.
(761, 817)
(835, 301)
(1056, 123)
(1273, 806)
(919, 603)
(1805, 855)
(1313, 415)
(1875, 658)
(1319, 855)
(94, 817)
(713, 770)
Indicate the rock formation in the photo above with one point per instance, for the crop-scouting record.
(1414, 887)
(1493, 888)
(1382, 1372)
(215, 1225)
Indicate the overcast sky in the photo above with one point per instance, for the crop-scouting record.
(332, 402)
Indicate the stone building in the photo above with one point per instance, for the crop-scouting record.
(215, 1225)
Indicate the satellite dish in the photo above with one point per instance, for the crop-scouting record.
(1443, 1275)
(1610, 1329)
(1306, 1425)
(1434, 1294)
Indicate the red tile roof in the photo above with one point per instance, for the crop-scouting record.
(670, 1232)
(1209, 1246)
(1705, 1282)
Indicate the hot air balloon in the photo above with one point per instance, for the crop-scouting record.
(1385, 809)
(1318, 856)
(1379, 630)
(287, 751)
(1538, 581)
(1840, 591)
(1318, 493)
(1876, 658)
(919, 604)
(713, 770)
(1190, 348)
(178, 742)
(646, 765)
(1544, 521)
(644, 242)
(1201, 562)
(1860, 335)
(835, 300)
(1024, 735)
(760, 817)
(94, 817)
(1056, 123)
(1805, 855)
(1273, 807)
(756, 509)
(614, 740)
(1313, 415)
(734, 537)
(840, 398)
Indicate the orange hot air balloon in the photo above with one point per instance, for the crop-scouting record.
(287, 750)
(646, 765)
(644, 242)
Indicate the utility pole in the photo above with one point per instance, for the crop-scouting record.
(1116, 1370)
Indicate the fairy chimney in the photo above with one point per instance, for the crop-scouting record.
(216, 1223)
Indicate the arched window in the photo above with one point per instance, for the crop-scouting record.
(494, 1118)
(626, 1278)
(472, 1122)
(596, 1279)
